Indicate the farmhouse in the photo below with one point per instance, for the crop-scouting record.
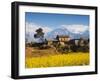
(62, 39)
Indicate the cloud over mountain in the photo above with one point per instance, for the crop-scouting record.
(32, 27)
(75, 31)
(75, 28)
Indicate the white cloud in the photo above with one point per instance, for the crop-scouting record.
(31, 27)
(75, 28)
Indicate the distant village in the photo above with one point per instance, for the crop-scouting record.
(62, 43)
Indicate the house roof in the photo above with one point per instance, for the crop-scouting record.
(62, 36)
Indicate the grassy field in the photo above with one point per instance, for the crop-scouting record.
(58, 60)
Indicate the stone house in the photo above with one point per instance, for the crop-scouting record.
(62, 39)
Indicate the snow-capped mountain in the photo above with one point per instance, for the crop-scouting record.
(63, 31)
(60, 31)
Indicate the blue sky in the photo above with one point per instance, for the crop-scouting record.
(48, 21)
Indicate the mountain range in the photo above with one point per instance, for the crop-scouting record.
(60, 31)
(63, 31)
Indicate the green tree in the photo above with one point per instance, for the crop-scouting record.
(40, 35)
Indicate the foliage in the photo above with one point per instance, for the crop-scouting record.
(39, 33)
(63, 49)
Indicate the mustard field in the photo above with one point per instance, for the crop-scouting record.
(72, 59)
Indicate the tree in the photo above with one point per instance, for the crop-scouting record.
(39, 34)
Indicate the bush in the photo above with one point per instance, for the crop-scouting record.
(63, 49)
